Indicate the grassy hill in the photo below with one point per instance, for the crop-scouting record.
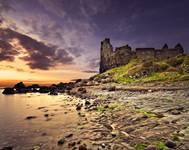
(172, 69)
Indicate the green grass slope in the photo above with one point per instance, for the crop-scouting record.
(173, 69)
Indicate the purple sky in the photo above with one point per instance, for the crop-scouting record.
(76, 27)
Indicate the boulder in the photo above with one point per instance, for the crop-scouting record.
(112, 88)
(19, 85)
(9, 91)
(171, 144)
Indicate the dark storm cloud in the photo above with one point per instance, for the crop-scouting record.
(7, 52)
(39, 55)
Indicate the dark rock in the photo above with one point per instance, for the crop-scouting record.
(72, 144)
(20, 88)
(44, 134)
(8, 91)
(44, 89)
(79, 106)
(175, 112)
(41, 107)
(69, 135)
(61, 141)
(30, 117)
(46, 115)
(82, 147)
(87, 103)
(19, 85)
(7, 148)
(53, 93)
(112, 88)
(106, 106)
(82, 90)
(103, 145)
(171, 144)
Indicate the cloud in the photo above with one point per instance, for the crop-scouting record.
(55, 7)
(94, 63)
(36, 54)
(7, 67)
(7, 52)
(5, 7)
(90, 8)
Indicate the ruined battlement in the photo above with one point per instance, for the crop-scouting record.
(111, 58)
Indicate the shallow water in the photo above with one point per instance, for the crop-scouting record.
(43, 131)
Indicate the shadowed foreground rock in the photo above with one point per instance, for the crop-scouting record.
(8, 91)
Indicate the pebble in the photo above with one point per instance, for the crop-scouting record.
(69, 135)
(171, 144)
(46, 115)
(82, 147)
(30, 117)
(72, 144)
(61, 141)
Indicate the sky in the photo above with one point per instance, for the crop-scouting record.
(48, 41)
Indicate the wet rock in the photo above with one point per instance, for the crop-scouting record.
(61, 141)
(151, 147)
(53, 93)
(83, 147)
(8, 91)
(30, 117)
(44, 89)
(7, 148)
(19, 85)
(103, 145)
(171, 144)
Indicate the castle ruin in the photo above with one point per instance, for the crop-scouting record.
(110, 58)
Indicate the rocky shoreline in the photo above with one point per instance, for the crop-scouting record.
(151, 116)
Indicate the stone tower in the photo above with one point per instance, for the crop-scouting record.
(105, 55)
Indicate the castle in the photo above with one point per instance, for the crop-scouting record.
(122, 55)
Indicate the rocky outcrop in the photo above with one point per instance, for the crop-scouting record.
(111, 58)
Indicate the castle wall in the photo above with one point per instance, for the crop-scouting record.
(122, 55)
(167, 53)
(145, 53)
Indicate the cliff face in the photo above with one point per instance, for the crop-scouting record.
(110, 58)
